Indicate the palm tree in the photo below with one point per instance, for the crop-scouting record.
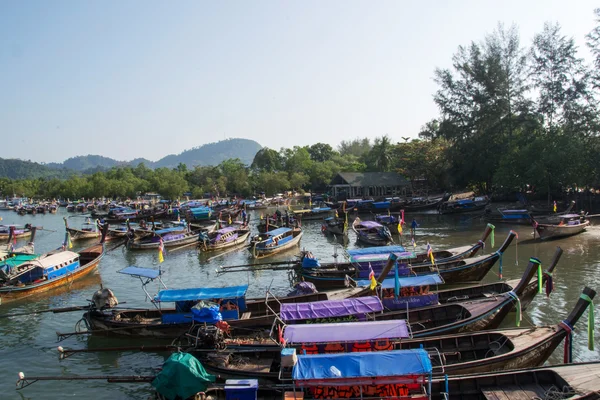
(382, 153)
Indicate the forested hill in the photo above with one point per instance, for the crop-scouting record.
(208, 154)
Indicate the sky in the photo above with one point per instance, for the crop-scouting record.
(148, 78)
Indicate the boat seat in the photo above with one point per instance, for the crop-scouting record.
(528, 391)
(246, 315)
(293, 395)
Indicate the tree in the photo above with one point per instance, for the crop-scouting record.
(356, 147)
(267, 160)
(320, 152)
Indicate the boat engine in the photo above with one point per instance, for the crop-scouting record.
(206, 337)
(104, 298)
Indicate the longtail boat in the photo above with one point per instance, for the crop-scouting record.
(49, 271)
(275, 241)
(313, 214)
(89, 230)
(569, 225)
(9, 249)
(335, 276)
(14, 232)
(458, 354)
(371, 232)
(169, 237)
(334, 226)
(224, 238)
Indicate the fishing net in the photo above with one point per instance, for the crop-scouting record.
(104, 298)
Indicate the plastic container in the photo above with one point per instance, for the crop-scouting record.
(241, 389)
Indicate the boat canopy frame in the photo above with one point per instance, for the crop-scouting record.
(146, 276)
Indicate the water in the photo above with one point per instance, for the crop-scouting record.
(28, 343)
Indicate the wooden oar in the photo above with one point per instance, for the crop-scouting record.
(258, 264)
(54, 310)
(23, 381)
(65, 353)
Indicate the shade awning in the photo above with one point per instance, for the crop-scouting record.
(330, 308)
(362, 365)
(142, 272)
(407, 281)
(346, 332)
(229, 292)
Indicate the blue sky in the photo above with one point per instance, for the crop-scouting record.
(128, 79)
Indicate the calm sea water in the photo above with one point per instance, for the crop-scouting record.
(28, 343)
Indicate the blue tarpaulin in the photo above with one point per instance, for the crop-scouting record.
(229, 292)
(277, 231)
(376, 250)
(407, 281)
(375, 364)
(139, 271)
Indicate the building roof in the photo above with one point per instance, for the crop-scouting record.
(362, 179)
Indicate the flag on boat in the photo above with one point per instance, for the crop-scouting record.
(554, 208)
(229, 220)
(336, 214)
(414, 244)
(69, 242)
(400, 227)
(372, 278)
(161, 250)
(430, 253)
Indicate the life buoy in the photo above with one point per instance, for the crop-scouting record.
(359, 347)
(310, 349)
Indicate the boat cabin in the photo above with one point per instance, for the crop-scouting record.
(38, 269)
(275, 237)
(224, 235)
(358, 309)
(230, 301)
(571, 219)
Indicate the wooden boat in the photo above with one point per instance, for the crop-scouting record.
(313, 214)
(335, 276)
(421, 204)
(9, 248)
(464, 353)
(272, 222)
(464, 205)
(14, 232)
(174, 322)
(170, 237)
(570, 224)
(389, 220)
(334, 226)
(89, 230)
(371, 232)
(224, 238)
(49, 271)
(273, 242)
(523, 216)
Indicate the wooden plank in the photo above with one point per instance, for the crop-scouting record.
(533, 390)
(515, 392)
(494, 393)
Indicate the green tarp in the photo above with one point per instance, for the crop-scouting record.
(182, 375)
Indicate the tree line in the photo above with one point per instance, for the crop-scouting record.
(512, 118)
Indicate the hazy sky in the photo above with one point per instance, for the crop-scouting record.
(128, 79)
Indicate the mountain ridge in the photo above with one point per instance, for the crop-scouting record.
(207, 154)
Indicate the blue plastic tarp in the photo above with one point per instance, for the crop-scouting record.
(362, 365)
(210, 315)
(407, 281)
(229, 292)
(139, 271)
(376, 250)
(277, 231)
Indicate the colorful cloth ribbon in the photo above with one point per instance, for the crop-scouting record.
(568, 353)
(549, 283)
(590, 327)
(518, 307)
(492, 227)
(539, 272)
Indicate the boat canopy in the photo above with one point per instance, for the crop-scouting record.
(167, 230)
(226, 230)
(330, 308)
(346, 332)
(566, 216)
(340, 367)
(141, 272)
(277, 231)
(376, 250)
(407, 281)
(370, 224)
(193, 294)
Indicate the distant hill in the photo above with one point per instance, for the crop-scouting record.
(208, 154)
(19, 169)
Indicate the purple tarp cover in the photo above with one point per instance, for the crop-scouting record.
(346, 332)
(369, 224)
(330, 308)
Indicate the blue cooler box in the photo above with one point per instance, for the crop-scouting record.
(241, 389)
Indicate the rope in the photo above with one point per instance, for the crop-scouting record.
(493, 228)
(500, 266)
(549, 283)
